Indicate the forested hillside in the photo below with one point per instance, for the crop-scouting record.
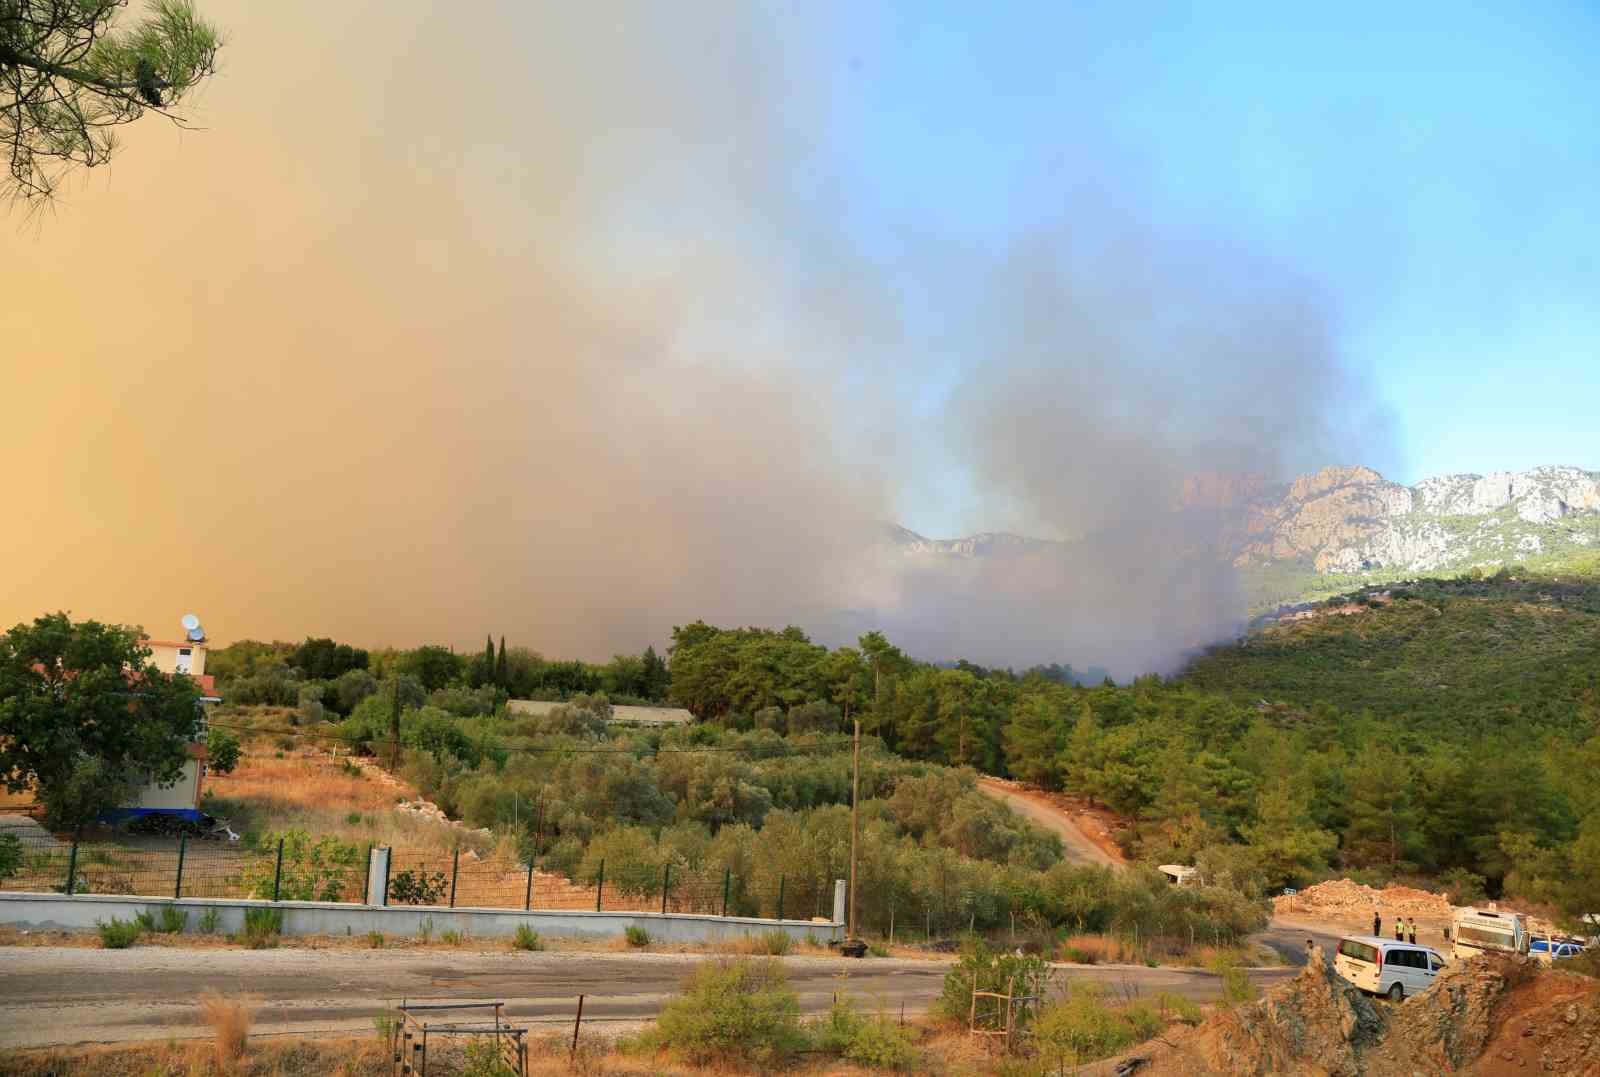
(1448, 729)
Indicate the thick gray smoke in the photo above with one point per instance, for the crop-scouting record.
(551, 322)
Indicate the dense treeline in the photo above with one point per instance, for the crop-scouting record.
(328, 679)
(1449, 728)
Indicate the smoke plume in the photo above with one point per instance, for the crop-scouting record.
(551, 321)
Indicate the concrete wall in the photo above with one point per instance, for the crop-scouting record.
(57, 912)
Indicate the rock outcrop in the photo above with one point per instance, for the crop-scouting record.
(1351, 520)
(1490, 1015)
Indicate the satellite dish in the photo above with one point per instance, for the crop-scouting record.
(197, 634)
(190, 622)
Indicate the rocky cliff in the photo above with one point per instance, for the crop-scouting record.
(1353, 521)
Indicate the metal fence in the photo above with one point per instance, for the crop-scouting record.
(42, 862)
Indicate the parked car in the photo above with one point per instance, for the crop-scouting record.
(1550, 951)
(1386, 966)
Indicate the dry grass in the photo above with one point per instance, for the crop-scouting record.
(229, 1019)
(367, 1056)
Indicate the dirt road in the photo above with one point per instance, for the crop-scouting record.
(53, 996)
(1078, 846)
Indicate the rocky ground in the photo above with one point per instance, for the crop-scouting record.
(1491, 1016)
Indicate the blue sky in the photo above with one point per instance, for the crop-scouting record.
(1432, 169)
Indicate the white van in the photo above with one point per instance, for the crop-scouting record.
(1386, 966)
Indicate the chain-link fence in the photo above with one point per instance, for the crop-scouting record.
(299, 869)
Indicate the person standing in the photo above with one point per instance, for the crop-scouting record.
(1377, 924)
(1400, 929)
(1411, 931)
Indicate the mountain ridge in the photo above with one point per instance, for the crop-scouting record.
(1350, 521)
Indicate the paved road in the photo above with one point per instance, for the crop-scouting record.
(1075, 843)
(60, 995)
(1289, 940)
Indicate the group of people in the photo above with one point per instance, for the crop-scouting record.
(1403, 931)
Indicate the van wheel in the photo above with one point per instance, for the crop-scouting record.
(1397, 993)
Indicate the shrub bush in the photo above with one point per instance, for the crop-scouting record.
(452, 937)
(118, 934)
(983, 969)
(526, 938)
(10, 855)
(636, 936)
(314, 869)
(207, 924)
(732, 1011)
(1082, 1028)
(375, 940)
(874, 1041)
(418, 887)
(262, 928)
(774, 943)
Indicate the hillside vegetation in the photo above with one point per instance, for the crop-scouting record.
(1445, 729)
(1509, 652)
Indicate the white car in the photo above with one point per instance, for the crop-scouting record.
(1386, 966)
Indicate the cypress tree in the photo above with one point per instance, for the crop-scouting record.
(501, 672)
(488, 660)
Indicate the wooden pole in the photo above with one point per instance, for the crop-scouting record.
(575, 1026)
(855, 820)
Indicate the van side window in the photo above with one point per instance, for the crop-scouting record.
(1411, 959)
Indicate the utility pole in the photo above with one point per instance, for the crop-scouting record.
(394, 729)
(855, 828)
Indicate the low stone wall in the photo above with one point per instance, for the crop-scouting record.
(58, 912)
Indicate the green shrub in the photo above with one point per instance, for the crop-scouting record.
(983, 969)
(526, 938)
(353, 819)
(168, 920)
(876, 1041)
(452, 937)
(483, 1059)
(207, 924)
(418, 887)
(733, 1011)
(262, 928)
(425, 929)
(119, 934)
(375, 940)
(146, 919)
(774, 943)
(10, 855)
(1082, 1028)
(636, 936)
(1237, 987)
(1182, 1009)
(314, 869)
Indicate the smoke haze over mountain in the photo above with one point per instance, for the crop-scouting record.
(567, 325)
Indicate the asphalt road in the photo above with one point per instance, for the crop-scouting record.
(53, 996)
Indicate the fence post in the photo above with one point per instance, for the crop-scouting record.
(666, 884)
(455, 869)
(781, 880)
(72, 864)
(183, 847)
(527, 901)
(600, 887)
(277, 872)
(727, 877)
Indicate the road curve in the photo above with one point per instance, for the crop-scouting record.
(1075, 844)
(57, 996)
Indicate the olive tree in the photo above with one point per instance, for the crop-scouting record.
(72, 71)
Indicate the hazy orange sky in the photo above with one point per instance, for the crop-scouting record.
(556, 324)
